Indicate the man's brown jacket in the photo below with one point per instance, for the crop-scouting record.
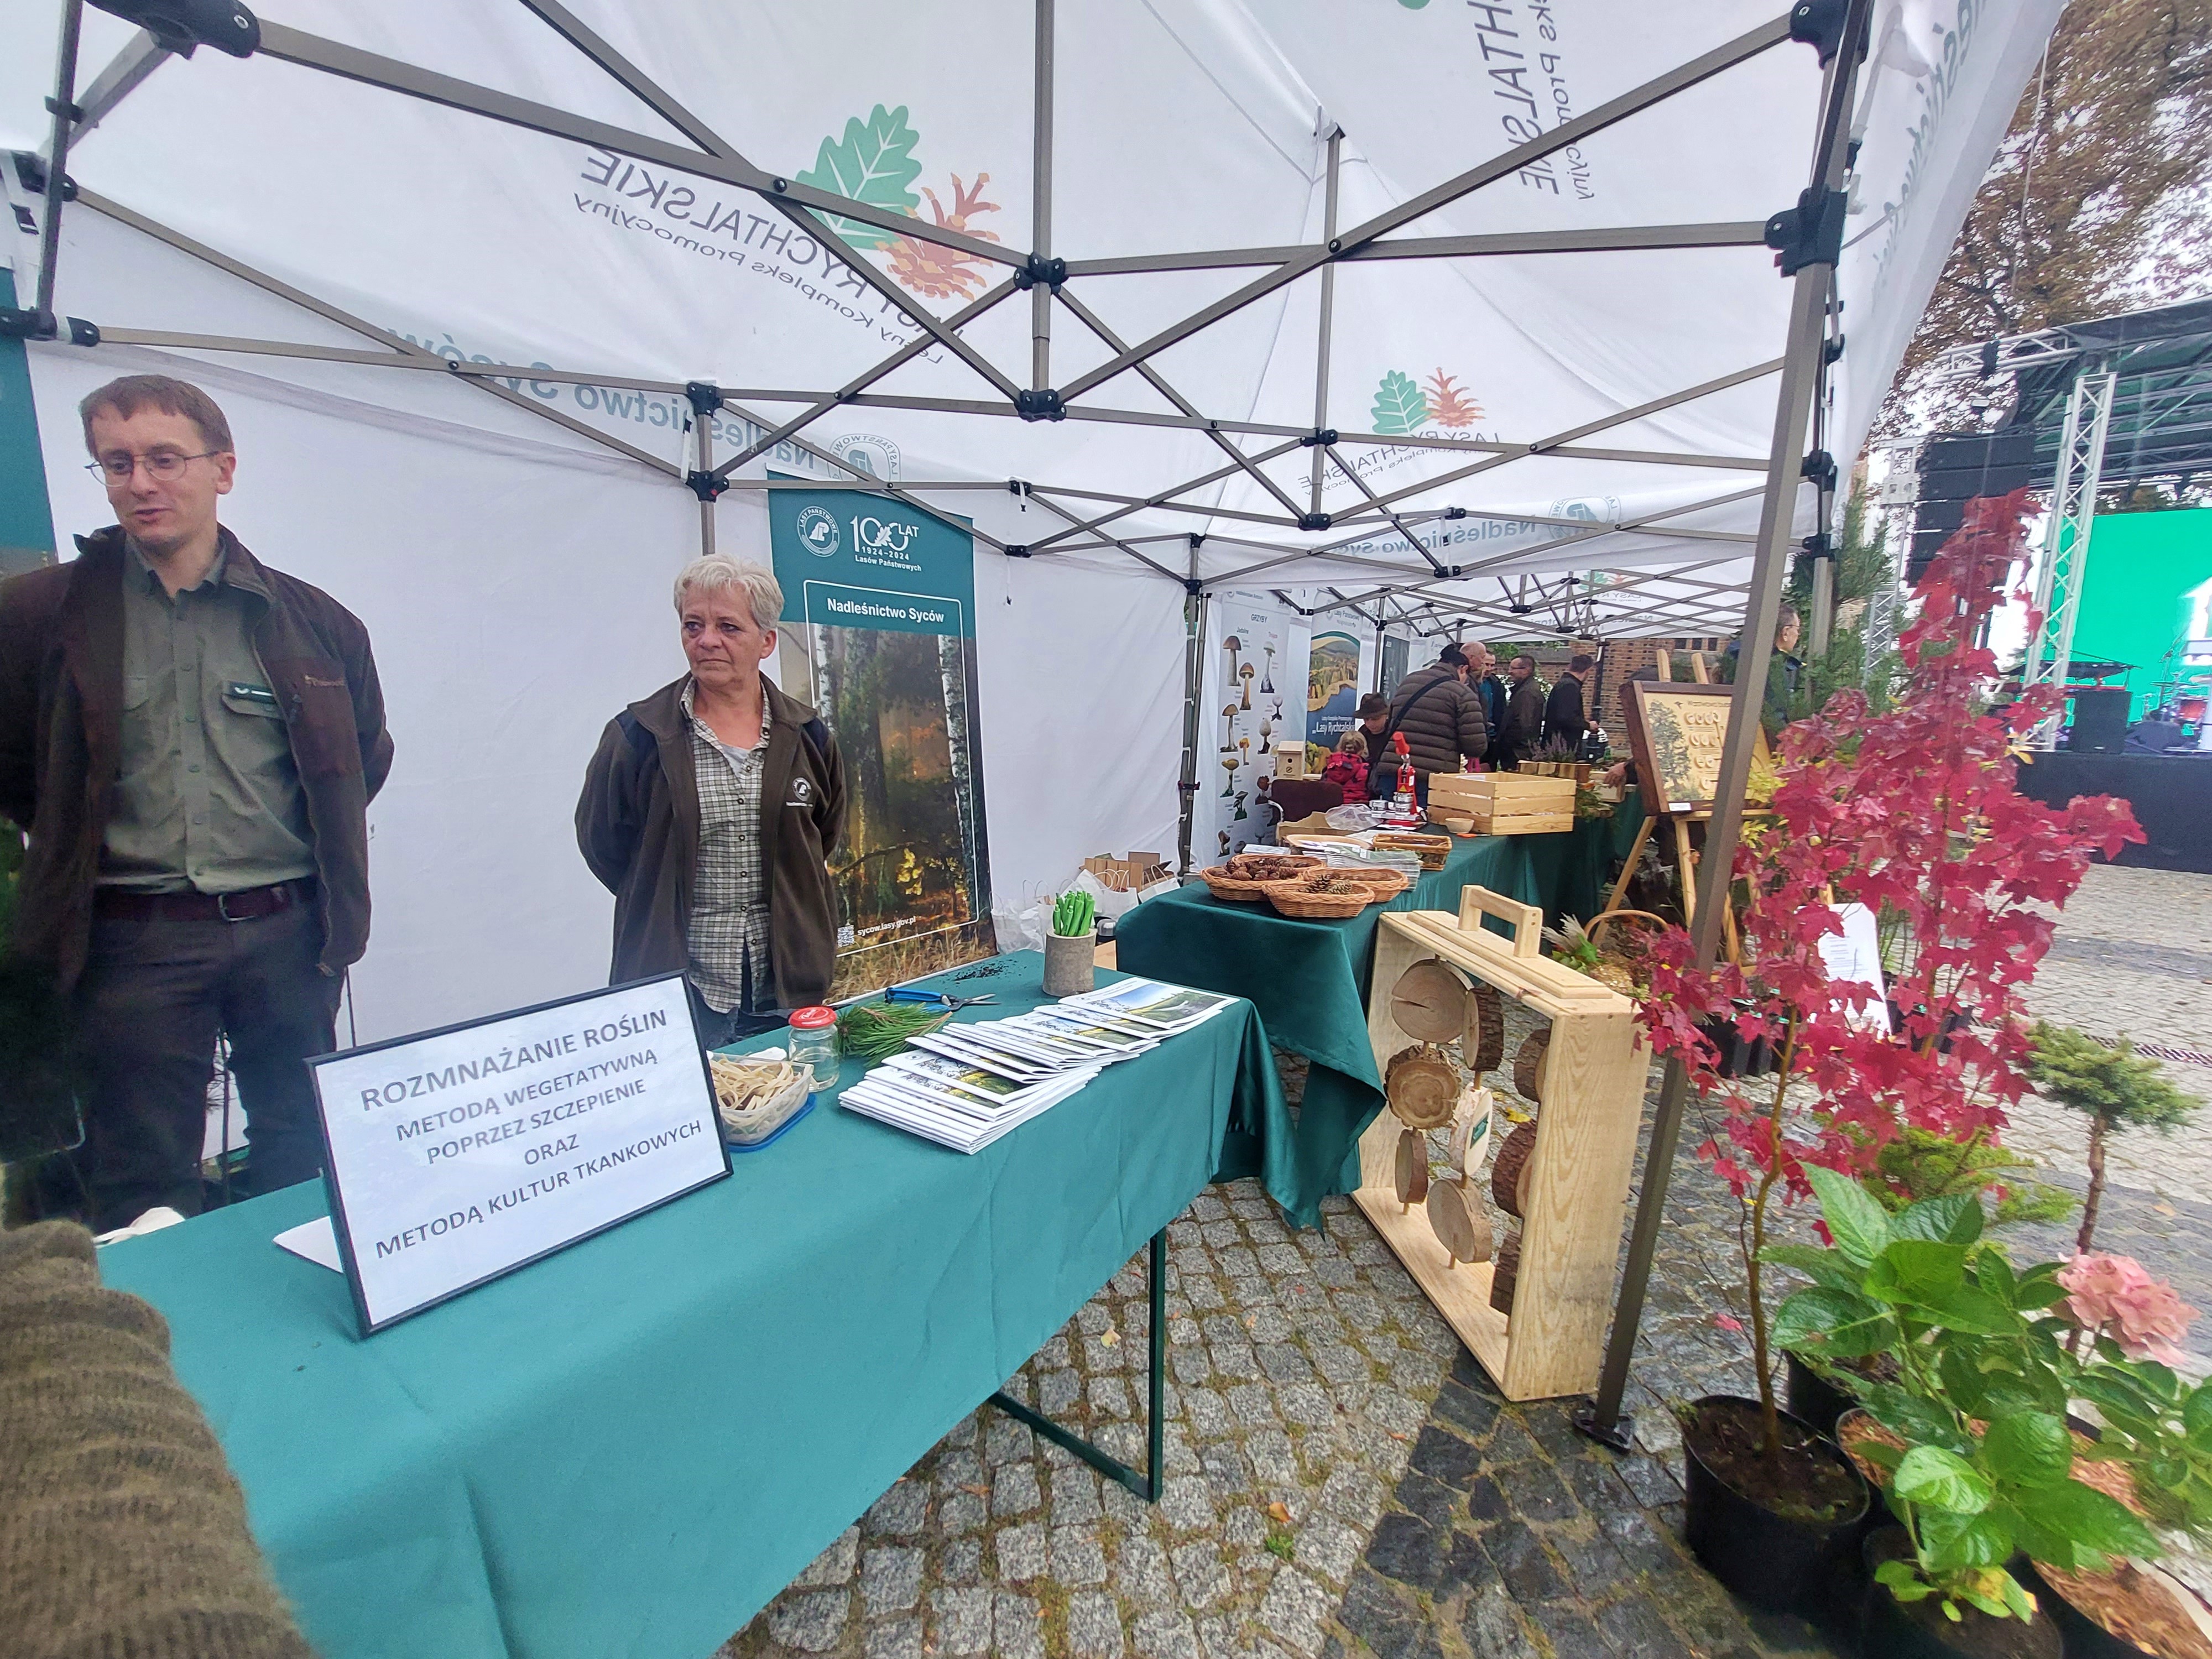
(61, 738)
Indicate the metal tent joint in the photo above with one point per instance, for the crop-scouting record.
(31, 324)
(1036, 269)
(1820, 467)
(1810, 234)
(1820, 546)
(706, 397)
(707, 486)
(1314, 520)
(1819, 24)
(1322, 435)
(179, 26)
(1017, 550)
(1040, 403)
(31, 175)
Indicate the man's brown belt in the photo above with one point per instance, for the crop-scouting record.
(124, 904)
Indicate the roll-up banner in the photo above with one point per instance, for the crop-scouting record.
(879, 635)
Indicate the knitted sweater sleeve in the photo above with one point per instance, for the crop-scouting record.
(121, 1529)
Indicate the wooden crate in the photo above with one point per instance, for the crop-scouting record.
(1505, 803)
(1553, 1343)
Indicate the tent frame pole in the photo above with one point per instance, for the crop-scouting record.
(1194, 643)
(1041, 199)
(1602, 1418)
(1327, 308)
(66, 111)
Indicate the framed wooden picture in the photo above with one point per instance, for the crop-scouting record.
(1676, 733)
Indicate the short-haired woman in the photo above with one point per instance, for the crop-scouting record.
(710, 812)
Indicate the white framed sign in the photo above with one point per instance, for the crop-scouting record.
(459, 1155)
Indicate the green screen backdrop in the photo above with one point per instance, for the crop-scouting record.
(2141, 565)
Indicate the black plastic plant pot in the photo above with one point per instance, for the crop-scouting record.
(1772, 1559)
(1918, 1630)
(1737, 1057)
(1811, 1397)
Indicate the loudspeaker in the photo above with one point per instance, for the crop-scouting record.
(1955, 468)
(2100, 719)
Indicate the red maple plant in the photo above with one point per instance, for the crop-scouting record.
(1912, 812)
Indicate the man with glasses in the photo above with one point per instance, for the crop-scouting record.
(192, 740)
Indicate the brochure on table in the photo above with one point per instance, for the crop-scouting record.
(458, 1155)
(965, 1086)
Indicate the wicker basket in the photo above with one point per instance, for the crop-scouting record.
(1250, 890)
(1293, 898)
(1384, 883)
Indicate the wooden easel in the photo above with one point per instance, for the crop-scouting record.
(1685, 865)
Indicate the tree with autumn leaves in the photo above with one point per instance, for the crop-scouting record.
(1913, 812)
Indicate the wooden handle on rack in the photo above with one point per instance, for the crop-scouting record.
(1526, 920)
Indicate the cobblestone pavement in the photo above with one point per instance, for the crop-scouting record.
(1342, 1478)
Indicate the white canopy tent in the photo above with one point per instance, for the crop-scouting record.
(514, 307)
(1479, 316)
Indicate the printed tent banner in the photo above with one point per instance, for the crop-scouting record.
(510, 537)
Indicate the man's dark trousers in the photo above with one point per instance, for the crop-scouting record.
(154, 994)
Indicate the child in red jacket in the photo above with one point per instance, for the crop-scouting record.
(1347, 766)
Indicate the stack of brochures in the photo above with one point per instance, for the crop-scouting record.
(967, 1084)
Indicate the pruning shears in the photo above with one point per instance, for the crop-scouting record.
(941, 998)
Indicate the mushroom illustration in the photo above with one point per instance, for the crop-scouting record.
(1229, 781)
(1240, 807)
(1225, 843)
(1245, 750)
(1232, 645)
(1228, 729)
(1246, 674)
(1267, 728)
(1268, 685)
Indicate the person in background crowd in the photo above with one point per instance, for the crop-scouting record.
(1784, 671)
(122, 1530)
(1347, 766)
(1524, 711)
(193, 739)
(1563, 719)
(1374, 717)
(1441, 721)
(1482, 674)
(719, 769)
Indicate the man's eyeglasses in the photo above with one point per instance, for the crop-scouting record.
(164, 464)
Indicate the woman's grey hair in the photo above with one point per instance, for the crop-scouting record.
(718, 573)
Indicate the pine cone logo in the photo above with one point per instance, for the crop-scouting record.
(1449, 404)
(937, 272)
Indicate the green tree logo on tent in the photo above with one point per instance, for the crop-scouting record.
(1400, 406)
(872, 163)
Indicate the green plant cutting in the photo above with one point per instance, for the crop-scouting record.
(1984, 1471)
(1921, 1163)
(1073, 913)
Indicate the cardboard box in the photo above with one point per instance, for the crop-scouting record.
(1505, 803)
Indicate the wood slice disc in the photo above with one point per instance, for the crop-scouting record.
(1422, 1088)
(1483, 1043)
(1528, 1065)
(1507, 1175)
(1412, 1167)
(1461, 1224)
(1429, 1002)
(1505, 1271)
(1470, 1136)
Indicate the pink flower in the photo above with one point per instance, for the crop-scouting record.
(2113, 1296)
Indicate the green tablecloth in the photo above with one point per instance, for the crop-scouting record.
(1592, 849)
(1309, 980)
(629, 1448)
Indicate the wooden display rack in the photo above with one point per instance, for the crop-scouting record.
(1553, 1342)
